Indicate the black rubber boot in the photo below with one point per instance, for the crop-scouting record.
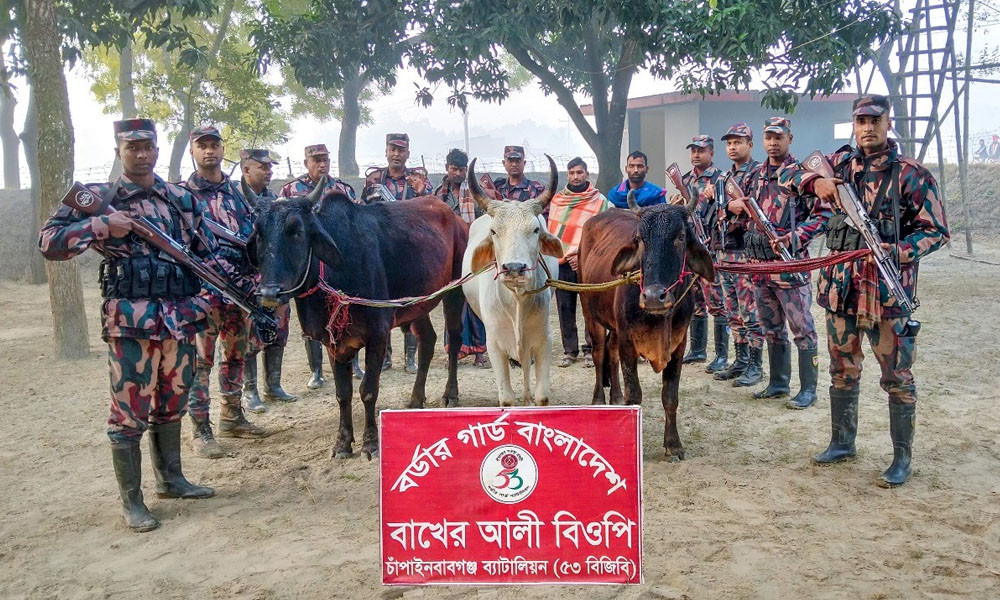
(127, 459)
(754, 372)
(233, 423)
(902, 422)
(699, 341)
(739, 364)
(251, 399)
(359, 373)
(808, 377)
(314, 354)
(387, 361)
(165, 452)
(721, 346)
(843, 425)
(273, 357)
(410, 351)
(779, 360)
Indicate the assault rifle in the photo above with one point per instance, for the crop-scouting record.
(384, 194)
(82, 199)
(674, 173)
(224, 233)
(763, 223)
(857, 218)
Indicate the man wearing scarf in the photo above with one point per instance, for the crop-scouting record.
(457, 197)
(573, 206)
(902, 199)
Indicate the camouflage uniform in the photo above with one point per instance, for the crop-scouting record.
(737, 289)
(526, 190)
(302, 185)
(412, 183)
(151, 352)
(708, 296)
(150, 314)
(225, 205)
(780, 299)
(901, 196)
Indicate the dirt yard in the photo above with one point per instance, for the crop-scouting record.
(745, 516)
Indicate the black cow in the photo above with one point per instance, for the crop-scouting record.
(627, 322)
(378, 251)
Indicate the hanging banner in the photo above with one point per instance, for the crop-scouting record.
(511, 495)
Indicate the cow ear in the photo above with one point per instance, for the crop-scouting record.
(483, 255)
(322, 244)
(627, 259)
(699, 260)
(549, 244)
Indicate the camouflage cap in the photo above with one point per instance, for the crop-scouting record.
(316, 150)
(258, 154)
(513, 152)
(204, 131)
(701, 141)
(777, 125)
(397, 139)
(873, 105)
(740, 129)
(135, 129)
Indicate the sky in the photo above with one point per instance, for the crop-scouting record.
(527, 118)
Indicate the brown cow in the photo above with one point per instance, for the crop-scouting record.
(651, 319)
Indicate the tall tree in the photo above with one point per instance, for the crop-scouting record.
(592, 49)
(345, 48)
(55, 133)
(8, 136)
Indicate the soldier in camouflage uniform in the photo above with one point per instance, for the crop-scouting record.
(782, 297)
(737, 290)
(902, 199)
(403, 183)
(317, 166)
(256, 164)
(707, 296)
(515, 186)
(151, 312)
(224, 204)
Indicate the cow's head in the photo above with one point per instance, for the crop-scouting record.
(286, 235)
(663, 246)
(518, 236)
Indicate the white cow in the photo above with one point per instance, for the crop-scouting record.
(513, 236)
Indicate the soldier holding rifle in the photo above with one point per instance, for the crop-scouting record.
(152, 310)
(888, 203)
(783, 227)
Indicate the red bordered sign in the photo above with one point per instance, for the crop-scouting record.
(516, 495)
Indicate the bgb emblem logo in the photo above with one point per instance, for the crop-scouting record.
(508, 474)
(84, 199)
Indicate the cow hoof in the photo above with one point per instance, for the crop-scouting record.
(597, 402)
(675, 455)
(449, 402)
(369, 454)
(342, 454)
(504, 402)
(542, 402)
(415, 403)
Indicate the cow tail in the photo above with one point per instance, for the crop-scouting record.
(606, 368)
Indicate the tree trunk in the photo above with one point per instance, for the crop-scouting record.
(8, 137)
(126, 96)
(181, 141)
(29, 139)
(347, 150)
(609, 169)
(55, 133)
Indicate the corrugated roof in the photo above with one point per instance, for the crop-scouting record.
(725, 96)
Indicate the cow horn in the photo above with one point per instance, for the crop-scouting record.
(475, 189)
(692, 203)
(317, 192)
(546, 196)
(631, 201)
(248, 192)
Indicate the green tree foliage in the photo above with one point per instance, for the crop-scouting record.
(225, 89)
(592, 49)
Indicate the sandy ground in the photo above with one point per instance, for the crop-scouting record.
(745, 516)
